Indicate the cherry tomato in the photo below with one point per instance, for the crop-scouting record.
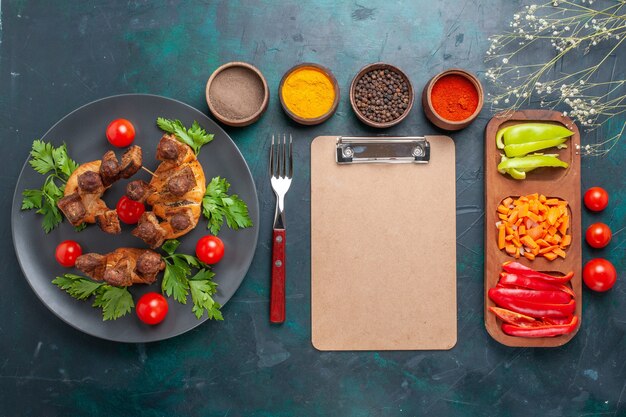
(67, 252)
(599, 274)
(129, 211)
(120, 133)
(596, 199)
(210, 249)
(598, 235)
(152, 308)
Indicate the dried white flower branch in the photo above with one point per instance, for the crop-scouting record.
(573, 30)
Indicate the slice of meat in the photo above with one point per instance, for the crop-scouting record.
(92, 264)
(172, 150)
(90, 182)
(181, 221)
(181, 182)
(149, 264)
(121, 274)
(131, 161)
(109, 222)
(122, 267)
(149, 230)
(109, 168)
(73, 208)
(139, 190)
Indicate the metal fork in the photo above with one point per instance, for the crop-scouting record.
(281, 172)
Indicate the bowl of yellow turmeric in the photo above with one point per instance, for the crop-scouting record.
(309, 93)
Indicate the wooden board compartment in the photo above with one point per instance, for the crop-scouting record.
(551, 182)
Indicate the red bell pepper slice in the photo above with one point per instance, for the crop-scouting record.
(558, 320)
(512, 317)
(519, 269)
(529, 308)
(536, 296)
(549, 330)
(515, 280)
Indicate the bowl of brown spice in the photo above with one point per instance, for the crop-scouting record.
(237, 94)
(381, 95)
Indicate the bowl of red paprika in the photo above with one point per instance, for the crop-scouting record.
(452, 99)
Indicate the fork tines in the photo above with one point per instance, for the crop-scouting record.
(281, 164)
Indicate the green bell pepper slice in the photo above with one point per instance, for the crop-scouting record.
(530, 132)
(521, 149)
(530, 162)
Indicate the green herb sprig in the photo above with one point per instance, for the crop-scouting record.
(217, 205)
(195, 136)
(115, 302)
(178, 282)
(58, 166)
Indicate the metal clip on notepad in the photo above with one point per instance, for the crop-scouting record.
(388, 149)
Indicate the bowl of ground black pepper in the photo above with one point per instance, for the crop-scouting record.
(452, 99)
(237, 94)
(381, 95)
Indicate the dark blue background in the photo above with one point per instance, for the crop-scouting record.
(56, 56)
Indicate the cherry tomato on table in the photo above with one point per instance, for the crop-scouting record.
(596, 199)
(129, 211)
(210, 249)
(599, 274)
(120, 133)
(598, 235)
(152, 308)
(67, 252)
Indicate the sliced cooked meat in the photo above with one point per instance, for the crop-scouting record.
(90, 182)
(139, 190)
(121, 274)
(92, 264)
(109, 168)
(149, 230)
(109, 222)
(131, 161)
(73, 208)
(180, 221)
(149, 264)
(122, 267)
(181, 182)
(169, 148)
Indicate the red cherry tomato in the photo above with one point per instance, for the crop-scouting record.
(210, 249)
(129, 211)
(599, 274)
(67, 252)
(120, 133)
(598, 235)
(596, 199)
(152, 308)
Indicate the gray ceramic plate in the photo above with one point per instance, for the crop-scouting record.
(83, 131)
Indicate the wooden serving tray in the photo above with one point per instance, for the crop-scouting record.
(552, 182)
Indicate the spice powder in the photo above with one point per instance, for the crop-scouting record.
(308, 93)
(454, 97)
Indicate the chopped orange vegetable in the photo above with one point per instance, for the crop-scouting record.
(542, 243)
(551, 256)
(501, 241)
(529, 256)
(534, 225)
(535, 232)
(567, 240)
(528, 241)
(510, 249)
